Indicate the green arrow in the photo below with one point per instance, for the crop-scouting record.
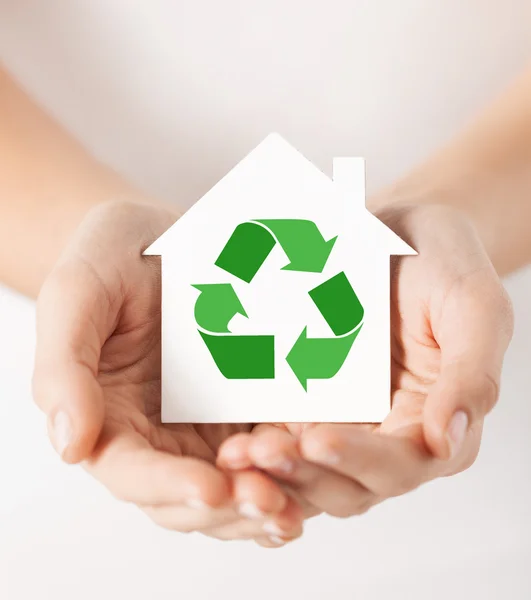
(251, 242)
(338, 303)
(302, 242)
(319, 358)
(246, 251)
(253, 356)
(243, 357)
(216, 306)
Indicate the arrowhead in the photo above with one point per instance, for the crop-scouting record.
(296, 359)
(238, 306)
(216, 306)
(314, 259)
(327, 249)
(222, 293)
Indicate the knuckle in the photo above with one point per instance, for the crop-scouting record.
(507, 311)
(353, 509)
(408, 481)
(223, 536)
(56, 283)
(318, 444)
(469, 460)
(43, 388)
(493, 302)
(170, 523)
(120, 495)
(405, 485)
(339, 512)
(489, 392)
(470, 455)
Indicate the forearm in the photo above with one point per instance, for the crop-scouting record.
(48, 182)
(487, 173)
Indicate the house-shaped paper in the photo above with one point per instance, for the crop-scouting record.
(276, 296)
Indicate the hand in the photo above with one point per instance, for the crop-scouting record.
(97, 377)
(451, 325)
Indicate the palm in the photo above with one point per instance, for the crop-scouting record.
(428, 296)
(130, 379)
(415, 355)
(424, 297)
(125, 327)
(129, 376)
(451, 324)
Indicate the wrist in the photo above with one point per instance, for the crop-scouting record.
(59, 226)
(138, 220)
(469, 195)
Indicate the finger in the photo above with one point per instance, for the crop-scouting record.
(384, 464)
(189, 518)
(135, 472)
(256, 495)
(276, 452)
(272, 541)
(73, 315)
(252, 512)
(287, 525)
(473, 333)
(233, 452)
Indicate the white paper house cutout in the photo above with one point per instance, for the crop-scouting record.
(276, 182)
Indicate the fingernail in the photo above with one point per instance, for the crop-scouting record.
(457, 432)
(250, 511)
(273, 529)
(283, 464)
(317, 453)
(61, 432)
(278, 541)
(235, 460)
(197, 504)
(278, 462)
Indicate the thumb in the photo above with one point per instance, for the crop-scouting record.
(473, 334)
(72, 315)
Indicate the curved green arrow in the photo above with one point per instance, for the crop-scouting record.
(216, 306)
(253, 356)
(302, 242)
(338, 303)
(242, 356)
(321, 358)
(251, 243)
(237, 357)
(246, 251)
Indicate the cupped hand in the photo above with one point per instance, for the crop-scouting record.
(451, 325)
(97, 377)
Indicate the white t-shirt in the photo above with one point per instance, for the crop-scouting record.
(173, 94)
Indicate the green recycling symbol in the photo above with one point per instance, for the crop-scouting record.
(253, 356)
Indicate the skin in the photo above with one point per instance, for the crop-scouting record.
(97, 364)
(97, 377)
(467, 211)
(451, 325)
(97, 368)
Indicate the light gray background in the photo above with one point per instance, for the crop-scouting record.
(173, 94)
